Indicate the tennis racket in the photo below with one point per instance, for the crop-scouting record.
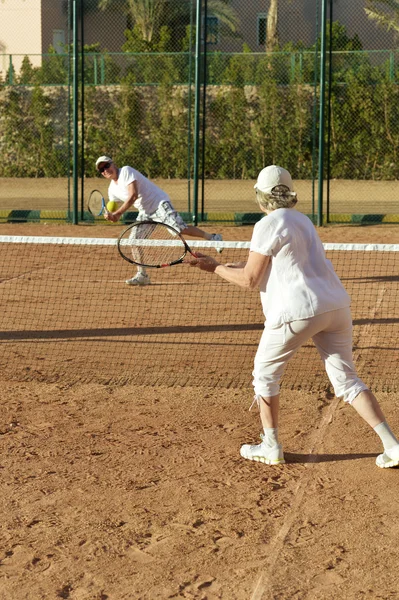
(96, 204)
(152, 244)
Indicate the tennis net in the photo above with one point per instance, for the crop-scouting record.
(67, 316)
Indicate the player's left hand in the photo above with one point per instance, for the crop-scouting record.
(203, 262)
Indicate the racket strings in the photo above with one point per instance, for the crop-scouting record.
(95, 204)
(152, 244)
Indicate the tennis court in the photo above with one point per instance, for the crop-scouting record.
(121, 426)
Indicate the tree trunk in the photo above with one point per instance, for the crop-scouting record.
(271, 27)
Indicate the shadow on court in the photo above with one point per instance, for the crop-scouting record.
(320, 458)
(157, 330)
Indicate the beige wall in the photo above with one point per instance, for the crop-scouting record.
(20, 31)
(30, 27)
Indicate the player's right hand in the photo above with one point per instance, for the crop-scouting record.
(109, 216)
(203, 262)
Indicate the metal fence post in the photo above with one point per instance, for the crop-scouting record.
(329, 100)
(204, 78)
(82, 103)
(321, 113)
(197, 109)
(189, 94)
(75, 117)
(10, 70)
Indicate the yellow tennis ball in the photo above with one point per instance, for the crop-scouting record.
(112, 206)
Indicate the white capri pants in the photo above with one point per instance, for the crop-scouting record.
(331, 333)
(165, 213)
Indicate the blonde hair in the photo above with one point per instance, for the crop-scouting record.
(279, 197)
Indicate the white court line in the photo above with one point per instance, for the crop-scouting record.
(365, 330)
(264, 582)
(71, 241)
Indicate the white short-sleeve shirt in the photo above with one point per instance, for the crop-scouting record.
(300, 281)
(149, 194)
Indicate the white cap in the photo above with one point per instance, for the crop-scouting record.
(103, 159)
(271, 176)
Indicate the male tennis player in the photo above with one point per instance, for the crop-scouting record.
(302, 298)
(131, 187)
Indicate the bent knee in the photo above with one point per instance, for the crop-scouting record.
(350, 392)
(266, 386)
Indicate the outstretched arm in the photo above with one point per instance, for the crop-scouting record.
(249, 276)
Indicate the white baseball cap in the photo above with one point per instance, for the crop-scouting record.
(103, 159)
(271, 176)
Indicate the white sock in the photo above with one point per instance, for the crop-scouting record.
(270, 437)
(386, 436)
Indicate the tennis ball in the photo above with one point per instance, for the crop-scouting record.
(112, 206)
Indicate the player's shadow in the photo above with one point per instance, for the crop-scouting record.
(371, 278)
(292, 457)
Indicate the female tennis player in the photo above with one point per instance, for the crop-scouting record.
(302, 298)
(131, 187)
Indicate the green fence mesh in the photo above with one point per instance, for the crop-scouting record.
(199, 96)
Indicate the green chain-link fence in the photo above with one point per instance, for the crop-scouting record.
(199, 96)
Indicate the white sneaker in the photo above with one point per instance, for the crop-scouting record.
(390, 458)
(216, 237)
(264, 454)
(139, 279)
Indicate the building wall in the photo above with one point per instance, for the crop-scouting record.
(54, 24)
(29, 27)
(297, 22)
(352, 14)
(105, 28)
(20, 31)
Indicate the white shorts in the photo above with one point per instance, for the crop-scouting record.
(331, 333)
(165, 213)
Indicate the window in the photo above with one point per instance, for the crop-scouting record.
(59, 40)
(212, 30)
(261, 33)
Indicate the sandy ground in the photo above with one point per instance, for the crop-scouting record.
(129, 492)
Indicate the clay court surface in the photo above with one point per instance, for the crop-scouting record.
(116, 491)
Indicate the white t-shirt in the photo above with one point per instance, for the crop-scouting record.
(299, 282)
(149, 194)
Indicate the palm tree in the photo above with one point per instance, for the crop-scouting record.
(271, 26)
(388, 20)
(148, 15)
